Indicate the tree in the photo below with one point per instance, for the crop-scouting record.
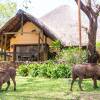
(92, 10)
(7, 9)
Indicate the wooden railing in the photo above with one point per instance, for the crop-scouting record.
(7, 56)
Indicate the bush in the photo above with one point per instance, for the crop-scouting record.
(58, 68)
(46, 70)
(72, 56)
(61, 71)
(23, 70)
(49, 70)
(33, 69)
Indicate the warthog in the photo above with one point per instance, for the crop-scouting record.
(83, 71)
(7, 71)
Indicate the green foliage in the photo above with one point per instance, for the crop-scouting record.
(55, 44)
(45, 70)
(72, 56)
(48, 69)
(61, 71)
(23, 70)
(58, 68)
(98, 44)
(7, 10)
(33, 69)
(29, 88)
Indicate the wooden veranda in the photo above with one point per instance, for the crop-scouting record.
(5, 53)
(25, 25)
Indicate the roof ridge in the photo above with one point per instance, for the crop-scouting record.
(55, 9)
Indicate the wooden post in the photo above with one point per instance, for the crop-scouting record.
(46, 50)
(1, 46)
(22, 24)
(43, 46)
(14, 53)
(79, 24)
(45, 39)
(5, 44)
(39, 47)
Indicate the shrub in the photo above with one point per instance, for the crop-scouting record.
(98, 44)
(23, 70)
(56, 44)
(61, 71)
(43, 70)
(33, 69)
(72, 56)
(48, 69)
(57, 68)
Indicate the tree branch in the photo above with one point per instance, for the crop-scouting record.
(84, 8)
(98, 9)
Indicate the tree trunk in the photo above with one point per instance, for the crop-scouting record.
(92, 15)
(92, 54)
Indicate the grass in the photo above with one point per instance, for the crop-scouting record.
(29, 88)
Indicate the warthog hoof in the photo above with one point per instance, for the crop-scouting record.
(14, 89)
(71, 90)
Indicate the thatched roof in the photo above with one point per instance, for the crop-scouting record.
(15, 23)
(60, 22)
(64, 26)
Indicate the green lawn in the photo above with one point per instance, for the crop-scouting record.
(29, 88)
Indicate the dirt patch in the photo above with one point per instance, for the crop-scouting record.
(83, 96)
(89, 96)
